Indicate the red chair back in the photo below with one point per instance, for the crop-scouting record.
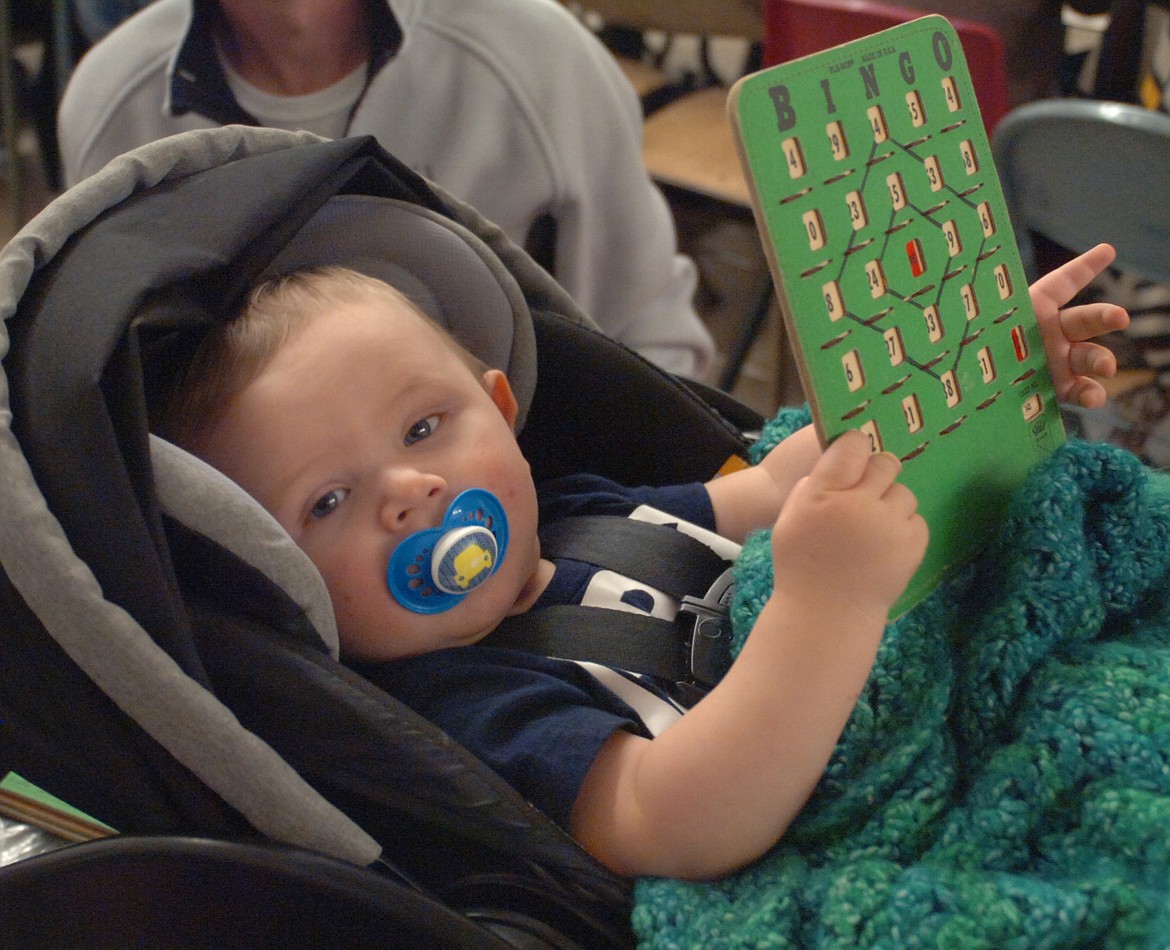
(795, 28)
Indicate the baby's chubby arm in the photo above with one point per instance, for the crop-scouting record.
(751, 498)
(721, 785)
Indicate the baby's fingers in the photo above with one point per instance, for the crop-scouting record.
(1058, 287)
(1085, 392)
(881, 475)
(901, 499)
(1091, 359)
(843, 463)
(1092, 320)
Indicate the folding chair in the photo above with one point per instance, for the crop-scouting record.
(1078, 172)
(794, 28)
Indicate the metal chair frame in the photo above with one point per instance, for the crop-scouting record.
(1079, 172)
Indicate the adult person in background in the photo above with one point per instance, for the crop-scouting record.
(1033, 37)
(510, 105)
(95, 18)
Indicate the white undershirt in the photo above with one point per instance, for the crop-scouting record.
(656, 712)
(325, 112)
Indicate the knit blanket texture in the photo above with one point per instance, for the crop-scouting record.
(1004, 780)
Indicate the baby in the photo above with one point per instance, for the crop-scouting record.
(359, 424)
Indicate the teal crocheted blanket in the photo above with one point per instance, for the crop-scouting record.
(1004, 781)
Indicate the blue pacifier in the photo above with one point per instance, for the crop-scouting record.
(432, 570)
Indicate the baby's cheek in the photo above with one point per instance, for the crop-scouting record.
(352, 615)
(361, 640)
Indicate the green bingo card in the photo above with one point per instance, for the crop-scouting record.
(898, 274)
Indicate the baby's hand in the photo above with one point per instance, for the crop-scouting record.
(850, 533)
(1071, 359)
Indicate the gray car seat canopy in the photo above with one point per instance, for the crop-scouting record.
(165, 240)
(444, 268)
(153, 602)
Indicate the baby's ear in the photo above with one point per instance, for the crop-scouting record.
(500, 390)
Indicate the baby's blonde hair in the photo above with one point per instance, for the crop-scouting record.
(235, 352)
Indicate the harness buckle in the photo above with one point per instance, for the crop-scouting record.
(710, 638)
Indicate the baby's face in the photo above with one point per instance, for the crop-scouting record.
(360, 431)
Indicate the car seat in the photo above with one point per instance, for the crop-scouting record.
(170, 662)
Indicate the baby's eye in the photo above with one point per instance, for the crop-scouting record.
(421, 429)
(327, 503)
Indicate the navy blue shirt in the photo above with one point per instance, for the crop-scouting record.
(538, 722)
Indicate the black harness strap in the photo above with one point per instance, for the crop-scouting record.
(616, 638)
(695, 647)
(653, 554)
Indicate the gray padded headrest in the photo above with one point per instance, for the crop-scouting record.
(208, 502)
(448, 271)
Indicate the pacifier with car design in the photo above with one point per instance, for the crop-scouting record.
(433, 570)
